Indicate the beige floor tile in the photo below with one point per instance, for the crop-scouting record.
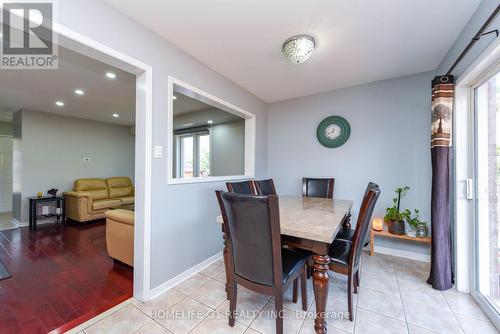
(221, 277)
(261, 295)
(192, 283)
(288, 297)
(382, 303)
(184, 316)
(251, 331)
(419, 330)
(463, 303)
(378, 264)
(337, 314)
(247, 306)
(214, 269)
(368, 322)
(412, 275)
(160, 303)
(422, 292)
(337, 288)
(266, 322)
(218, 324)
(403, 263)
(387, 285)
(213, 294)
(127, 320)
(152, 328)
(472, 325)
(431, 317)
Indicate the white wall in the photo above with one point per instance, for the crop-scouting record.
(227, 149)
(53, 148)
(184, 232)
(389, 144)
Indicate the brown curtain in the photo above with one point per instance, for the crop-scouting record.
(441, 277)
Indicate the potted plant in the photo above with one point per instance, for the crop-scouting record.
(413, 223)
(394, 218)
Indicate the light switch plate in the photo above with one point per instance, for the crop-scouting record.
(158, 151)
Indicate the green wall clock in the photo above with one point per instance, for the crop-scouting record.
(333, 131)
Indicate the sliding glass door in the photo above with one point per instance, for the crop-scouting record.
(487, 181)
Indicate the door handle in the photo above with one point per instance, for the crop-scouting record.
(469, 190)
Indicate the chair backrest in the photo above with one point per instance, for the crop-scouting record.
(265, 187)
(363, 224)
(314, 187)
(252, 227)
(244, 187)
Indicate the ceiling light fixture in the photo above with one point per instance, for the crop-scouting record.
(60, 103)
(115, 115)
(210, 121)
(110, 75)
(298, 49)
(174, 97)
(79, 92)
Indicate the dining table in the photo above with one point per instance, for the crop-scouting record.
(310, 224)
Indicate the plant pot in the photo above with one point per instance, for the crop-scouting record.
(422, 231)
(412, 233)
(396, 227)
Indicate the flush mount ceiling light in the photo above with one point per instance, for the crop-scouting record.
(174, 97)
(79, 92)
(298, 49)
(115, 115)
(110, 75)
(60, 103)
(210, 121)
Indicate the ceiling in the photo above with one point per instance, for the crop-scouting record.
(39, 89)
(358, 41)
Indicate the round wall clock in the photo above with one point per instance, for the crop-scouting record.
(333, 131)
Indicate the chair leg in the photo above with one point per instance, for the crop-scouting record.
(233, 293)
(303, 289)
(295, 292)
(349, 296)
(278, 299)
(356, 282)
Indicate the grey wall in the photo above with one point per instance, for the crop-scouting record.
(227, 149)
(389, 143)
(184, 231)
(53, 148)
(471, 28)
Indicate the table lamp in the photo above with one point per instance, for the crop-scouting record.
(377, 224)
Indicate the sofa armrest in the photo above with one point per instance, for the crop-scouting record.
(78, 194)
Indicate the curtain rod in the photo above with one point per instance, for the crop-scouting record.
(476, 38)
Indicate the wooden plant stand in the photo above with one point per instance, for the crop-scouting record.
(385, 233)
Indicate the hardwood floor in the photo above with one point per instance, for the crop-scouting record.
(61, 277)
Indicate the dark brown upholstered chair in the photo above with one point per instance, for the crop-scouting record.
(345, 257)
(312, 187)
(244, 187)
(265, 187)
(347, 233)
(256, 259)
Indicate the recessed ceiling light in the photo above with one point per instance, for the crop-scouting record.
(111, 75)
(79, 92)
(297, 49)
(174, 97)
(115, 115)
(60, 103)
(210, 121)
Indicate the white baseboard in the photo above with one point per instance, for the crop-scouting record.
(402, 253)
(16, 222)
(155, 292)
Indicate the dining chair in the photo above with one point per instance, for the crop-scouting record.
(347, 233)
(256, 259)
(243, 187)
(314, 187)
(265, 187)
(345, 257)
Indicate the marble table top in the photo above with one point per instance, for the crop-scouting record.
(317, 219)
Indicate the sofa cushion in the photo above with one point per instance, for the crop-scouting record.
(105, 204)
(120, 215)
(119, 187)
(127, 200)
(98, 188)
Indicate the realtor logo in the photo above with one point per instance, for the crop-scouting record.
(27, 36)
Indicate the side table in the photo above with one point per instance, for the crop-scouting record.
(33, 209)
